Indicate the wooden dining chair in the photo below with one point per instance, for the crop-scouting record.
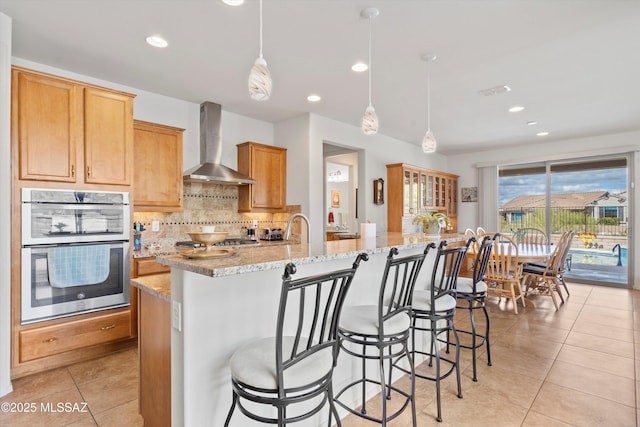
(545, 279)
(530, 236)
(504, 271)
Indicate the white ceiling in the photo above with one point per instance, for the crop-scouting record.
(574, 64)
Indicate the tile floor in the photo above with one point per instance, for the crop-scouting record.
(576, 366)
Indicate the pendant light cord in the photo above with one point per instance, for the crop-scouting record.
(428, 98)
(260, 28)
(370, 19)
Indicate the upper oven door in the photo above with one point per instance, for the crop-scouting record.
(64, 216)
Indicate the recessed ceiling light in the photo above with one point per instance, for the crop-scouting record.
(233, 2)
(157, 41)
(314, 98)
(516, 109)
(532, 122)
(542, 133)
(359, 67)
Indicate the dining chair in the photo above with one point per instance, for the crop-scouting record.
(480, 231)
(296, 367)
(473, 292)
(468, 233)
(504, 271)
(432, 311)
(380, 333)
(530, 236)
(544, 279)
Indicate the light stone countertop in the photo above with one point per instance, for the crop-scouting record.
(158, 285)
(267, 257)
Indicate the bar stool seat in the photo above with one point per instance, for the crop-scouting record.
(422, 301)
(363, 319)
(254, 364)
(465, 286)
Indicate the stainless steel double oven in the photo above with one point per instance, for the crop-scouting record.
(75, 252)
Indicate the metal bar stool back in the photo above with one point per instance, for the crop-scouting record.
(432, 311)
(384, 330)
(473, 292)
(297, 364)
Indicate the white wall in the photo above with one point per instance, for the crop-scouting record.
(465, 165)
(5, 203)
(305, 165)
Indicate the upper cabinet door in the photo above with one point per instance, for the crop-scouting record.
(47, 123)
(108, 124)
(157, 175)
(267, 164)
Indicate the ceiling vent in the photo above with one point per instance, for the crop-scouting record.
(494, 90)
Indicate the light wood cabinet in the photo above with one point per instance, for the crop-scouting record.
(68, 131)
(50, 340)
(157, 172)
(154, 350)
(147, 266)
(266, 164)
(413, 190)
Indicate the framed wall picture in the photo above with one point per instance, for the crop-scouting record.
(378, 191)
(335, 199)
(469, 194)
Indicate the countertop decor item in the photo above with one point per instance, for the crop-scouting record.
(432, 222)
(208, 239)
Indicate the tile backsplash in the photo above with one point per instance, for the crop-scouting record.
(207, 204)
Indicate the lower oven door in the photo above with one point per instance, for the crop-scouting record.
(67, 279)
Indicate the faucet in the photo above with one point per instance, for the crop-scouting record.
(287, 234)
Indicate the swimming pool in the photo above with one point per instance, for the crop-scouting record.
(599, 257)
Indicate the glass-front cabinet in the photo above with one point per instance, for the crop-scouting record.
(413, 190)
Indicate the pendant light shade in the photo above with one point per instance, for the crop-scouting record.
(370, 121)
(260, 82)
(370, 118)
(429, 143)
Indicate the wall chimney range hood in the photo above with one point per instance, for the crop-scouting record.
(210, 169)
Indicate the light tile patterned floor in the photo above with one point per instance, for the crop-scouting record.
(576, 366)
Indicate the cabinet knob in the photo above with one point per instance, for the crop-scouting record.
(88, 171)
(106, 328)
(73, 171)
(50, 340)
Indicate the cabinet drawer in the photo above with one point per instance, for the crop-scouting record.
(145, 267)
(50, 340)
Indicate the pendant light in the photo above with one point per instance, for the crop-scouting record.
(370, 119)
(429, 141)
(260, 82)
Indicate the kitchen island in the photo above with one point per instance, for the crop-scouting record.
(219, 304)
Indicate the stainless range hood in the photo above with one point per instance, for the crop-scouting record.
(210, 169)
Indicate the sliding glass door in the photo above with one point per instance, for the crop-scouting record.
(588, 196)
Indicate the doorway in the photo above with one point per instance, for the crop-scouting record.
(588, 196)
(340, 189)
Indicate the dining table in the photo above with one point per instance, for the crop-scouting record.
(527, 253)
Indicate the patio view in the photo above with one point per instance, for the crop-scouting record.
(597, 213)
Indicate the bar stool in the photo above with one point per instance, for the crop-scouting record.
(290, 369)
(434, 308)
(473, 291)
(384, 329)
